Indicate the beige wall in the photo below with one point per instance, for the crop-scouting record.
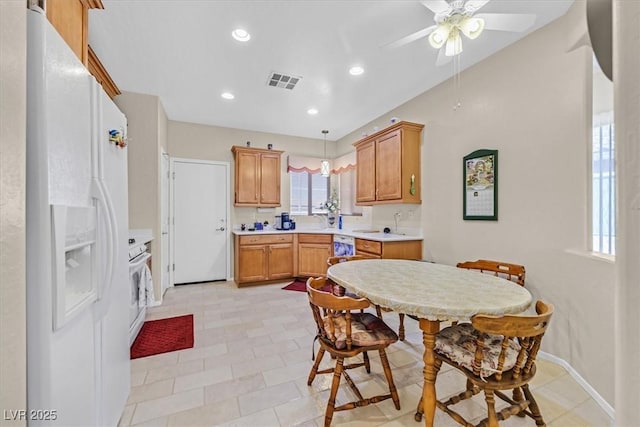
(147, 123)
(13, 97)
(531, 102)
(193, 141)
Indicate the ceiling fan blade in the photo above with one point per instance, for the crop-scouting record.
(472, 6)
(436, 6)
(442, 58)
(507, 21)
(411, 37)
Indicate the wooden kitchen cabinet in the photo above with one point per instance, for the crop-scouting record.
(251, 263)
(406, 249)
(313, 251)
(70, 18)
(388, 165)
(262, 258)
(257, 176)
(366, 172)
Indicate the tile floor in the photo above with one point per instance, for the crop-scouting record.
(252, 355)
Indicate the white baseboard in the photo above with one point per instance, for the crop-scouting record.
(585, 385)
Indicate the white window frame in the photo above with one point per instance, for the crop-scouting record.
(603, 186)
(602, 178)
(312, 209)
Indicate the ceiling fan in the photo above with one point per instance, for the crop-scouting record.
(454, 17)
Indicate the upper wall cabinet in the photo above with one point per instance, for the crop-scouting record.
(71, 19)
(388, 165)
(257, 176)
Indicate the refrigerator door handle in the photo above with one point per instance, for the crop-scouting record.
(114, 238)
(101, 195)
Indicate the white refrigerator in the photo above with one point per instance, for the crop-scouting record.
(78, 366)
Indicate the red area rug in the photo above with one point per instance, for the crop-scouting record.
(163, 336)
(301, 286)
(297, 285)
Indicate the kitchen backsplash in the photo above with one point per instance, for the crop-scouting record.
(408, 218)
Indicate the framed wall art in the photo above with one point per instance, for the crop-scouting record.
(480, 185)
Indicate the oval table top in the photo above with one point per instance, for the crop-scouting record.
(430, 291)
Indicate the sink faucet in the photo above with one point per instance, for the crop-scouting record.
(396, 217)
(324, 219)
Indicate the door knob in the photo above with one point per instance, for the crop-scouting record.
(220, 229)
(165, 232)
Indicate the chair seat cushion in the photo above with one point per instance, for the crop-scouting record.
(366, 330)
(458, 343)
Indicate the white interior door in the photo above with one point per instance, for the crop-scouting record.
(164, 222)
(200, 214)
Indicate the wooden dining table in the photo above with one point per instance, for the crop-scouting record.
(433, 293)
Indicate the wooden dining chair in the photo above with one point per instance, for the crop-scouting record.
(505, 270)
(513, 272)
(495, 353)
(345, 334)
(337, 289)
(332, 260)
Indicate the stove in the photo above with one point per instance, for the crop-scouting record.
(136, 249)
(139, 278)
(138, 239)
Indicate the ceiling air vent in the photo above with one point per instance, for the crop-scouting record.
(283, 81)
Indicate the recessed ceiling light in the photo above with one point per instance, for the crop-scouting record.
(227, 95)
(312, 111)
(356, 71)
(241, 35)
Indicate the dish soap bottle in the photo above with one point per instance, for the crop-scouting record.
(339, 222)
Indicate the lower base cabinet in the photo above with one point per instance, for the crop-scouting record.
(271, 257)
(408, 249)
(313, 251)
(263, 258)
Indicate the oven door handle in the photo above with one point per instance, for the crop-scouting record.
(139, 261)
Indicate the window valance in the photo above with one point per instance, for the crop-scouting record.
(344, 163)
(304, 164)
(312, 164)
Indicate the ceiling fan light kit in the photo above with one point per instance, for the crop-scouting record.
(440, 35)
(453, 17)
(449, 29)
(454, 44)
(472, 27)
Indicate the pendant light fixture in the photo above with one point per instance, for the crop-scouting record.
(324, 164)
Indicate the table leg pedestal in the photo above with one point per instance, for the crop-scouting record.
(428, 402)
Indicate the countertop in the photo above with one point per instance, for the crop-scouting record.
(141, 235)
(358, 233)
